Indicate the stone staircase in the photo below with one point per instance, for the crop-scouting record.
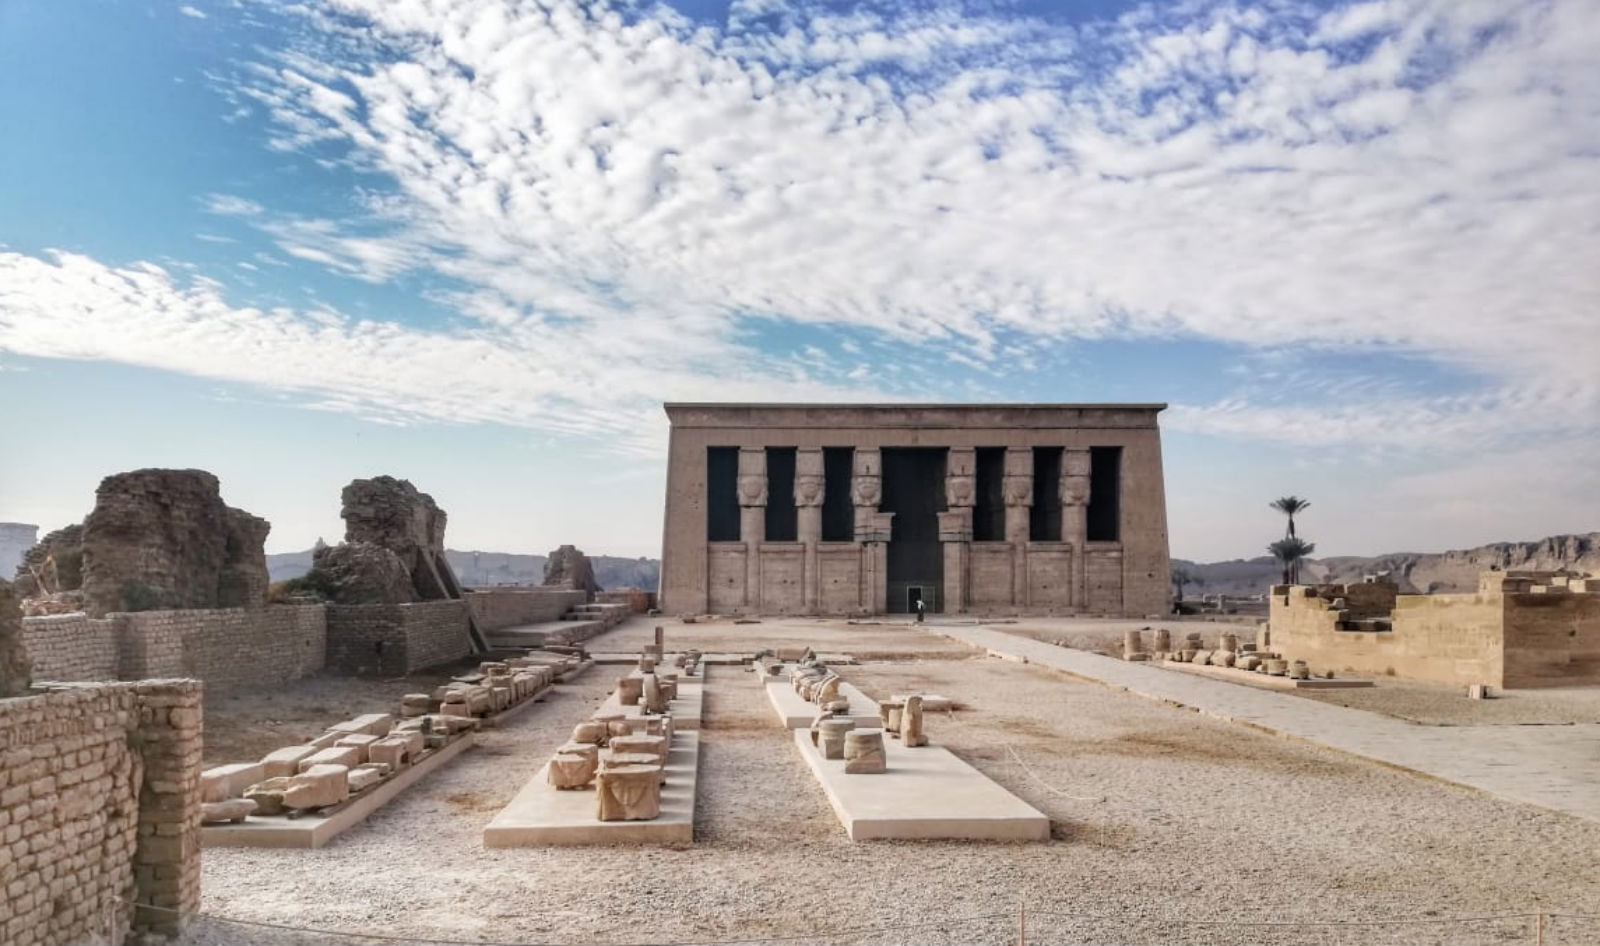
(578, 624)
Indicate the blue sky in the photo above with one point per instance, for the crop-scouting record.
(476, 243)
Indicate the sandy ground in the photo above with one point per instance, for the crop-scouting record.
(1104, 636)
(1164, 822)
(244, 726)
(1436, 705)
(877, 639)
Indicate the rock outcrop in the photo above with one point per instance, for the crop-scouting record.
(569, 566)
(160, 539)
(14, 665)
(361, 573)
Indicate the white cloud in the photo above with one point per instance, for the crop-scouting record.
(1410, 176)
(191, 11)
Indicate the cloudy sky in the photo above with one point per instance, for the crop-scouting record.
(476, 243)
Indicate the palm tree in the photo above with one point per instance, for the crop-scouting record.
(1182, 576)
(1290, 551)
(1289, 505)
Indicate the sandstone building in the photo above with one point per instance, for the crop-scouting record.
(861, 509)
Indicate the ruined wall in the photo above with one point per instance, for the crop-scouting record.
(396, 639)
(57, 558)
(71, 647)
(164, 539)
(15, 667)
(1552, 637)
(638, 600)
(568, 566)
(507, 607)
(228, 648)
(99, 807)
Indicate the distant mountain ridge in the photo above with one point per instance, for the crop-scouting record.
(1451, 572)
(487, 569)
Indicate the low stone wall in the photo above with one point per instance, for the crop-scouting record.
(638, 600)
(1511, 634)
(497, 608)
(227, 648)
(99, 809)
(396, 639)
(71, 647)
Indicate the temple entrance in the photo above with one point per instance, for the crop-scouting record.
(913, 489)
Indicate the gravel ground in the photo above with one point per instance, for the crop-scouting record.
(879, 639)
(1436, 705)
(1104, 636)
(1159, 816)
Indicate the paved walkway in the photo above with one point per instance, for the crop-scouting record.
(1555, 767)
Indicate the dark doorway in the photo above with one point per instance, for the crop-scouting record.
(989, 508)
(722, 494)
(1105, 494)
(913, 489)
(1044, 518)
(838, 511)
(783, 522)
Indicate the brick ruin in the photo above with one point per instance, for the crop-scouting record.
(156, 539)
(164, 539)
(1519, 629)
(393, 549)
(15, 667)
(568, 566)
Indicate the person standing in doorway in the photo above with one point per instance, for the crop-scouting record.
(921, 610)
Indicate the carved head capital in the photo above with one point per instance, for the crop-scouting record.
(808, 490)
(752, 490)
(959, 490)
(1018, 490)
(1074, 490)
(867, 491)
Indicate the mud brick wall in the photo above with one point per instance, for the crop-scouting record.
(228, 648)
(396, 639)
(99, 809)
(499, 608)
(638, 600)
(71, 647)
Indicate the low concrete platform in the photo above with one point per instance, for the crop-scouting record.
(686, 709)
(927, 793)
(1250, 678)
(313, 831)
(795, 713)
(541, 815)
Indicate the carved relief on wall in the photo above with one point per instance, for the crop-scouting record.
(1074, 491)
(959, 490)
(867, 491)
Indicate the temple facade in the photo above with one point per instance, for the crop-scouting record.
(856, 509)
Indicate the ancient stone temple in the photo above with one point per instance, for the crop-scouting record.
(853, 509)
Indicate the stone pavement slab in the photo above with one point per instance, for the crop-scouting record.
(1554, 767)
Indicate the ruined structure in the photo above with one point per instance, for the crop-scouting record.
(163, 539)
(1519, 629)
(14, 664)
(850, 509)
(16, 538)
(393, 550)
(568, 565)
(54, 565)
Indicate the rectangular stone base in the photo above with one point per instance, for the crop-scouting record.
(685, 709)
(926, 793)
(541, 815)
(1261, 680)
(313, 831)
(795, 713)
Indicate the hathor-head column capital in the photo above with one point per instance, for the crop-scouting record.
(1018, 483)
(1075, 478)
(809, 484)
(752, 476)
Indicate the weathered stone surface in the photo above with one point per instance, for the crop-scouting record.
(57, 560)
(231, 809)
(318, 786)
(362, 573)
(163, 539)
(864, 753)
(286, 761)
(628, 793)
(15, 670)
(568, 565)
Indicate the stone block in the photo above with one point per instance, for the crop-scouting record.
(285, 761)
(345, 756)
(232, 810)
(318, 787)
(359, 742)
(393, 751)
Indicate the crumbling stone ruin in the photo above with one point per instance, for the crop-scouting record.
(164, 539)
(54, 565)
(14, 667)
(393, 549)
(568, 565)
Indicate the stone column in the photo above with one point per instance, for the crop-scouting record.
(955, 527)
(1075, 520)
(752, 519)
(1018, 490)
(872, 528)
(808, 494)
